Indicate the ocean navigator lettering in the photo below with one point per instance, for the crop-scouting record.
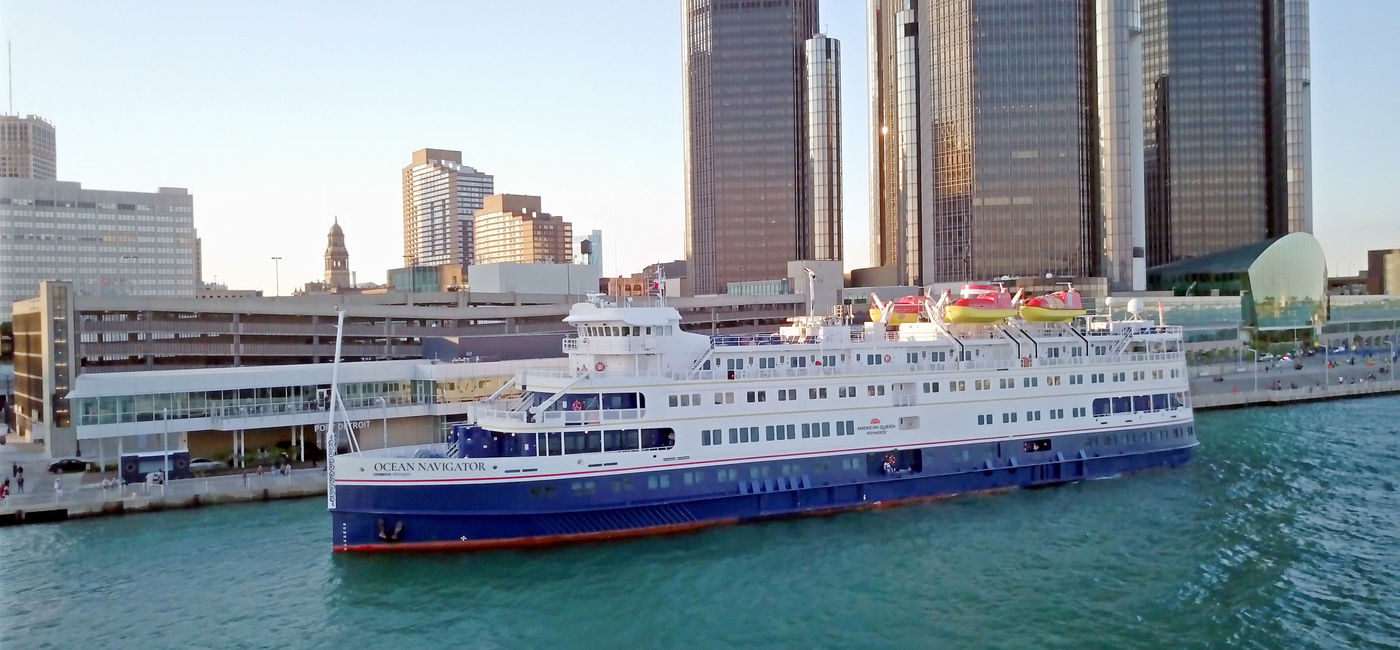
(431, 466)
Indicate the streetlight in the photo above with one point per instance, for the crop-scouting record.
(276, 277)
(1256, 368)
(165, 445)
(384, 417)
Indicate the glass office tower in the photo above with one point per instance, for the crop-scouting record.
(743, 102)
(822, 228)
(985, 136)
(1226, 135)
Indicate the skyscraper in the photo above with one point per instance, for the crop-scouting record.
(822, 230)
(744, 93)
(440, 194)
(1226, 103)
(337, 259)
(27, 148)
(984, 138)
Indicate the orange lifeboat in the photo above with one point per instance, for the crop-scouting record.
(1055, 307)
(982, 303)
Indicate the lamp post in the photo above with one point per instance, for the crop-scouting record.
(276, 276)
(1256, 368)
(384, 417)
(165, 448)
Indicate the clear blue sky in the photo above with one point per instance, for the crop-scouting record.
(280, 115)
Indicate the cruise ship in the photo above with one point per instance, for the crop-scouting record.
(656, 430)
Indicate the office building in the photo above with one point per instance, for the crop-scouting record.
(512, 228)
(104, 242)
(1226, 103)
(337, 259)
(60, 335)
(440, 194)
(1123, 193)
(743, 92)
(28, 148)
(985, 139)
(823, 172)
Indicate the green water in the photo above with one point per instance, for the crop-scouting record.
(1283, 532)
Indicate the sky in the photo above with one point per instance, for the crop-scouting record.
(282, 116)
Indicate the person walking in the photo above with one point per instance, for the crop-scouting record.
(58, 488)
(19, 484)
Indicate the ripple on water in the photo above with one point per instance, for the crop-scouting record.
(1283, 532)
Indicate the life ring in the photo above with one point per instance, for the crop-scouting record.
(887, 358)
(577, 405)
(1025, 362)
(600, 366)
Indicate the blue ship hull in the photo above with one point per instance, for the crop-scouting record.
(545, 512)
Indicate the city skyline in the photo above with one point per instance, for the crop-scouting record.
(352, 106)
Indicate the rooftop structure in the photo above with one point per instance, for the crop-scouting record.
(28, 148)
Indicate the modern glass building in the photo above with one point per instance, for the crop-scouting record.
(822, 228)
(1226, 102)
(986, 139)
(440, 194)
(743, 99)
(1282, 282)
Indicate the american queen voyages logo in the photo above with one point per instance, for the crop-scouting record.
(875, 427)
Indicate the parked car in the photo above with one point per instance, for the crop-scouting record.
(68, 465)
(1265, 358)
(206, 465)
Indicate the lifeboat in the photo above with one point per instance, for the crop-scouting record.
(904, 310)
(982, 303)
(1056, 307)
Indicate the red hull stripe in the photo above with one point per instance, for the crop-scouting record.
(726, 461)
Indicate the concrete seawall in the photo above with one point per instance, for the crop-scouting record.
(1290, 395)
(91, 501)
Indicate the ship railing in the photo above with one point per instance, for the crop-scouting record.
(406, 451)
(898, 367)
(492, 416)
(757, 339)
(530, 375)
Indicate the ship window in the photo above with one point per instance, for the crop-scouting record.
(768, 432)
(727, 474)
(791, 432)
(1159, 401)
(659, 438)
(880, 390)
(552, 444)
(806, 430)
(1142, 402)
(1123, 404)
(583, 442)
(705, 437)
(733, 436)
(1102, 406)
(840, 428)
(826, 429)
(1037, 445)
(674, 400)
(620, 440)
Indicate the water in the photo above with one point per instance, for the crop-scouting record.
(1283, 532)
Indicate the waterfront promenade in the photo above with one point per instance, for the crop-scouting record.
(1250, 383)
(83, 495)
